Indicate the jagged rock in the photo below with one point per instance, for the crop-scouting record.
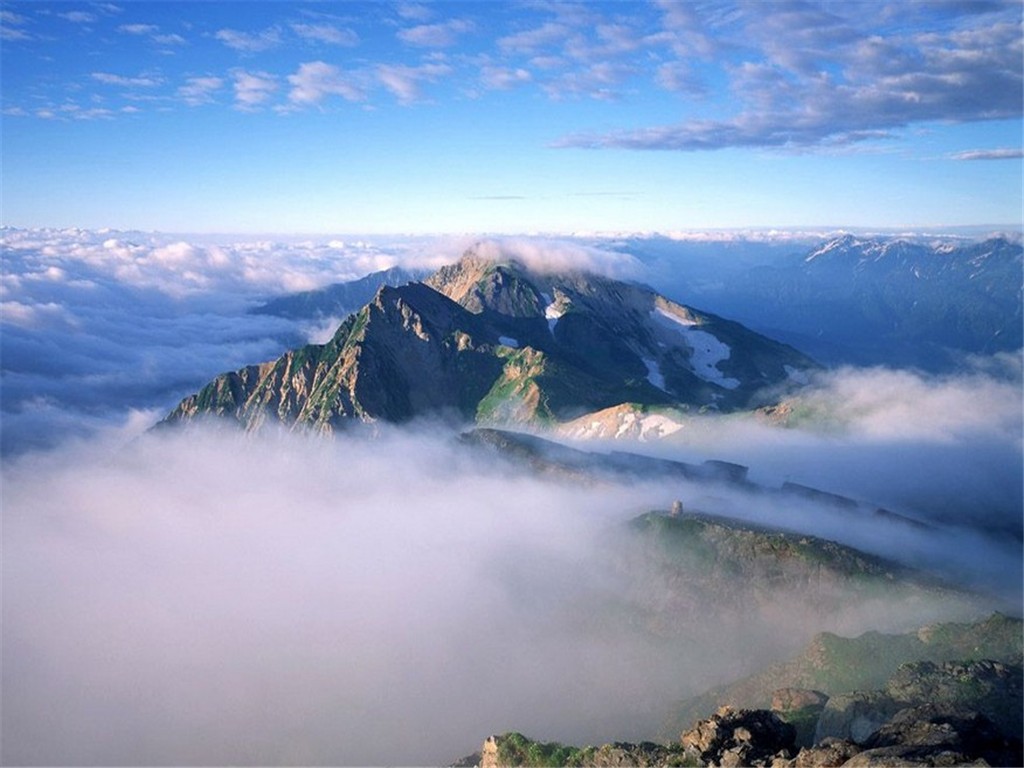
(988, 687)
(827, 754)
(491, 341)
(932, 731)
(855, 716)
(741, 737)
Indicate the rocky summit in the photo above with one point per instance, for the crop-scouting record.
(491, 341)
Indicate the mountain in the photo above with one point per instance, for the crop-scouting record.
(492, 341)
(870, 301)
(338, 299)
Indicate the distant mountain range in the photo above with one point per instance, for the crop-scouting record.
(865, 301)
(494, 342)
(338, 299)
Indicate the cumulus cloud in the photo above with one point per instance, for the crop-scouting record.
(821, 78)
(316, 80)
(252, 88)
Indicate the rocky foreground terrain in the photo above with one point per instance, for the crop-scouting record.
(928, 712)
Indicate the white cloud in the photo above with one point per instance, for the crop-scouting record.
(138, 29)
(502, 78)
(78, 17)
(250, 42)
(440, 35)
(252, 89)
(316, 80)
(141, 81)
(326, 33)
(405, 81)
(342, 602)
(555, 256)
(989, 154)
(199, 90)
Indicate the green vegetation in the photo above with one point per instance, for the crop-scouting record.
(514, 749)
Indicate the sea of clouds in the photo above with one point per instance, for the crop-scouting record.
(203, 596)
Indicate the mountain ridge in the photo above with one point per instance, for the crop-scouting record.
(495, 342)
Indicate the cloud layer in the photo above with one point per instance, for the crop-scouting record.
(204, 597)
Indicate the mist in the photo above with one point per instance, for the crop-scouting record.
(208, 597)
(202, 596)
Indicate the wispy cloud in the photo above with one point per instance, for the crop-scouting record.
(250, 42)
(78, 17)
(138, 29)
(326, 33)
(988, 154)
(404, 81)
(199, 90)
(141, 81)
(503, 78)
(440, 35)
(819, 79)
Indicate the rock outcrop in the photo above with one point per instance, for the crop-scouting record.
(494, 342)
(739, 738)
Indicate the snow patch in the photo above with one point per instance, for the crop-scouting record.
(707, 349)
(508, 341)
(654, 374)
(552, 311)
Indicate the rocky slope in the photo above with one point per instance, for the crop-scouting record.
(835, 665)
(491, 341)
(925, 713)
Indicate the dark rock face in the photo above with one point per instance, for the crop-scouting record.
(742, 737)
(855, 716)
(494, 342)
(937, 735)
(987, 687)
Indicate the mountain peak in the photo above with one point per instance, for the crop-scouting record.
(491, 340)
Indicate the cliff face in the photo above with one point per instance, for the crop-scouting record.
(496, 343)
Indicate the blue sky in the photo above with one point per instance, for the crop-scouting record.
(510, 117)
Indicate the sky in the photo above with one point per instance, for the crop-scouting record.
(510, 117)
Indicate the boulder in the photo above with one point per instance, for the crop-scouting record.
(739, 737)
(931, 731)
(989, 687)
(828, 754)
